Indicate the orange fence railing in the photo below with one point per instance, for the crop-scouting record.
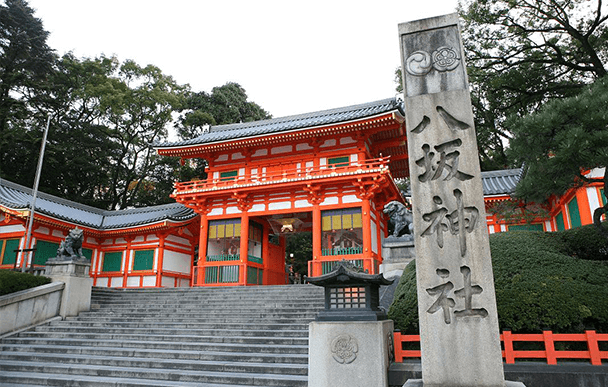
(288, 174)
(590, 339)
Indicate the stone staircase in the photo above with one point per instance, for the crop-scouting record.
(216, 337)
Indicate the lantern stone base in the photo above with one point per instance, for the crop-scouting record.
(76, 296)
(418, 383)
(396, 254)
(350, 353)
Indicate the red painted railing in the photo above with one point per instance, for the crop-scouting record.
(546, 339)
(286, 175)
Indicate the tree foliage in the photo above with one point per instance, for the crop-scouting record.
(522, 53)
(562, 141)
(225, 104)
(25, 58)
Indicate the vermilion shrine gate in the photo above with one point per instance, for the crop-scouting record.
(328, 172)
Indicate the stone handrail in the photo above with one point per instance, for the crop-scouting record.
(29, 307)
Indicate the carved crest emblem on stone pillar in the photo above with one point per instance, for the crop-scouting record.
(344, 349)
(442, 59)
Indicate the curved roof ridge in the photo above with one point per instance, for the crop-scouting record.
(293, 122)
(16, 196)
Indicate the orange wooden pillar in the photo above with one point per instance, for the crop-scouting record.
(367, 236)
(584, 209)
(316, 240)
(244, 248)
(202, 251)
(161, 256)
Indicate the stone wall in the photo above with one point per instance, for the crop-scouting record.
(29, 307)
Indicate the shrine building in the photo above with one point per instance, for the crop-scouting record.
(329, 173)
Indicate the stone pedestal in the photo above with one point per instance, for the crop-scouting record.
(396, 254)
(77, 292)
(350, 353)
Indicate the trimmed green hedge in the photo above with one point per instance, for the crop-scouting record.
(11, 281)
(541, 283)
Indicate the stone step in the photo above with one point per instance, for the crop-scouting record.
(188, 320)
(67, 328)
(157, 374)
(161, 353)
(276, 340)
(189, 308)
(174, 345)
(32, 379)
(173, 364)
(183, 325)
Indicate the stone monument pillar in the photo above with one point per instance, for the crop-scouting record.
(459, 333)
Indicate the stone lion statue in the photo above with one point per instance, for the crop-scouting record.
(71, 247)
(400, 217)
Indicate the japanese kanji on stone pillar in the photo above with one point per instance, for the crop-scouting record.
(459, 333)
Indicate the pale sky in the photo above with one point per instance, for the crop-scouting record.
(291, 57)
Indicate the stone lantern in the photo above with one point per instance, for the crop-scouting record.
(351, 341)
(351, 295)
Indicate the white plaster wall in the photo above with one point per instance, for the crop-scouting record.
(347, 140)
(43, 230)
(178, 262)
(327, 143)
(350, 199)
(594, 199)
(303, 146)
(503, 228)
(149, 280)
(13, 228)
(330, 200)
(167, 282)
(183, 283)
(176, 239)
(116, 282)
(232, 210)
(596, 172)
(216, 211)
(258, 207)
(302, 204)
(133, 282)
(374, 237)
(548, 225)
(139, 238)
(260, 152)
(491, 230)
(222, 158)
(58, 233)
(354, 158)
(279, 205)
(237, 156)
(281, 149)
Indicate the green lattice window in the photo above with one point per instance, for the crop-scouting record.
(602, 197)
(143, 260)
(88, 253)
(112, 261)
(7, 250)
(229, 175)
(559, 219)
(44, 251)
(334, 162)
(527, 227)
(575, 216)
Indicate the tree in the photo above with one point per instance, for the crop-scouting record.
(25, 58)
(560, 142)
(523, 53)
(226, 104)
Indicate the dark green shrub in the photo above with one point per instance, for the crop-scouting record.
(11, 281)
(537, 287)
(404, 309)
(586, 242)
